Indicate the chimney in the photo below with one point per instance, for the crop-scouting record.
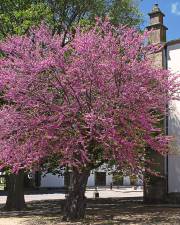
(158, 34)
(155, 189)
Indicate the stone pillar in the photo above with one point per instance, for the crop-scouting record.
(155, 188)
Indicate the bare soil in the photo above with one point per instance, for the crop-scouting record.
(99, 212)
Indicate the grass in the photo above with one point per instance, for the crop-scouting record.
(99, 212)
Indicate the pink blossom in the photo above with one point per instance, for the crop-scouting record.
(96, 99)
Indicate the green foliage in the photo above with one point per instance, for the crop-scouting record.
(16, 16)
(124, 12)
(117, 178)
(51, 165)
(67, 13)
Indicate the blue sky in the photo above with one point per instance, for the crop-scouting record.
(171, 8)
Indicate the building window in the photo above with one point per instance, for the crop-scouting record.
(100, 178)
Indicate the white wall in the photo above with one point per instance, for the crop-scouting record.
(126, 181)
(173, 60)
(91, 180)
(55, 181)
(58, 181)
(51, 180)
(109, 179)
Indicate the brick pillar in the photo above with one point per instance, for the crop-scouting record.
(155, 188)
(158, 34)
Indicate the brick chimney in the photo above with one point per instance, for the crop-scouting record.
(155, 190)
(158, 34)
(157, 25)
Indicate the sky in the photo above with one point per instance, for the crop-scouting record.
(171, 8)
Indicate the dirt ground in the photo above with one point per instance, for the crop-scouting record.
(99, 212)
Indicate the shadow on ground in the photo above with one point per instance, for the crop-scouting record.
(100, 212)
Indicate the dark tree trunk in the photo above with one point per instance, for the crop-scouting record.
(75, 204)
(15, 192)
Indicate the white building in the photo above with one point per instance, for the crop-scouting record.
(167, 187)
(99, 177)
(172, 51)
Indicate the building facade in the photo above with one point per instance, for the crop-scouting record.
(172, 52)
(168, 186)
(100, 177)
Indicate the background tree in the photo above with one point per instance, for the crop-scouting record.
(125, 12)
(90, 102)
(17, 16)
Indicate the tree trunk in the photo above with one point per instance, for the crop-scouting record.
(75, 204)
(15, 192)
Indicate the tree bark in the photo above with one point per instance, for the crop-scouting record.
(75, 204)
(15, 192)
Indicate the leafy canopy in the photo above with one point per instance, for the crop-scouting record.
(17, 16)
(92, 101)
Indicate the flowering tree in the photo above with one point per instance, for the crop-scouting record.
(96, 100)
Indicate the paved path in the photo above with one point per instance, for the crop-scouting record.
(103, 193)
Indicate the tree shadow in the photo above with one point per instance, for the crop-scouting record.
(99, 211)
